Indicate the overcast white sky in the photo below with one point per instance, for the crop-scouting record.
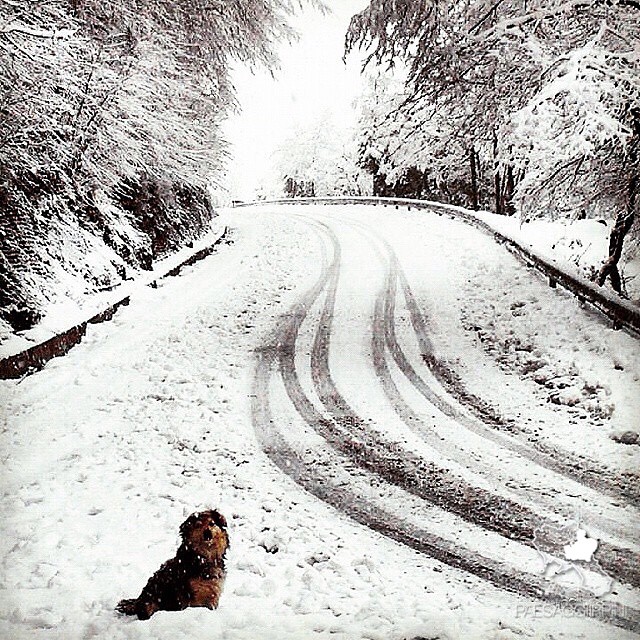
(312, 81)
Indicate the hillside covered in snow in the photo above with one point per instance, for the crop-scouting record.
(110, 136)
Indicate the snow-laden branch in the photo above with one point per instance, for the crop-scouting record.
(510, 24)
(33, 32)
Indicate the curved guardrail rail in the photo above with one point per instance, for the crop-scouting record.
(35, 358)
(620, 311)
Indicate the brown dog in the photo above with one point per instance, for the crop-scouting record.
(194, 578)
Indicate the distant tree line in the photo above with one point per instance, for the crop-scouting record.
(319, 160)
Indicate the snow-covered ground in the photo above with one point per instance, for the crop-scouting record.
(108, 449)
(578, 246)
(74, 305)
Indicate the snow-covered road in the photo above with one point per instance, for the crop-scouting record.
(402, 424)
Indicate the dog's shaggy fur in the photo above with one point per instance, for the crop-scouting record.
(194, 578)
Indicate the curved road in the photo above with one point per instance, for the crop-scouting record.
(351, 402)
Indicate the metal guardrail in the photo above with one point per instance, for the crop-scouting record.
(623, 313)
(35, 358)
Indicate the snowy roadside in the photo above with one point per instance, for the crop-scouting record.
(579, 246)
(74, 310)
(108, 449)
(581, 370)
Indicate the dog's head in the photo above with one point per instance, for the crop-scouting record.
(206, 534)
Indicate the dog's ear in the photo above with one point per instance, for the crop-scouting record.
(187, 525)
(219, 519)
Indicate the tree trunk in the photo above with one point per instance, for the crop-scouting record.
(498, 188)
(379, 185)
(623, 223)
(479, 177)
(624, 220)
(509, 207)
(474, 179)
(496, 174)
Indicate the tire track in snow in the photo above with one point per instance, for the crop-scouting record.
(624, 562)
(352, 436)
(340, 496)
(547, 457)
(543, 454)
(384, 324)
(559, 461)
(280, 355)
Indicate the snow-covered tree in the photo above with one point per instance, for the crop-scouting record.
(550, 89)
(411, 150)
(463, 81)
(117, 103)
(122, 88)
(319, 159)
